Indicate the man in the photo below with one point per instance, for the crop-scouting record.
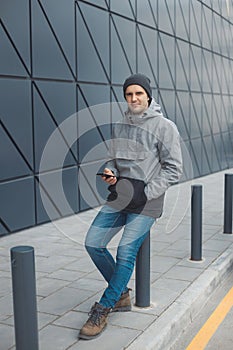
(145, 160)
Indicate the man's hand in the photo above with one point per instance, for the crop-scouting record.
(110, 180)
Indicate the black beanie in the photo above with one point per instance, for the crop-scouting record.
(138, 79)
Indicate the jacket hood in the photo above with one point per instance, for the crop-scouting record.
(153, 111)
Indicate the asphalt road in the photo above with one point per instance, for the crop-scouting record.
(212, 329)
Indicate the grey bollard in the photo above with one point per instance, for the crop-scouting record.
(228, 198)
(24, 298)
(143, 274)
(196, 223)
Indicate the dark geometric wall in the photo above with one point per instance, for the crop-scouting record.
(58, 57)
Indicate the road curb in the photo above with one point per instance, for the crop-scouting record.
(167, 328)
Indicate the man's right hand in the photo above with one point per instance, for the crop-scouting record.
(110, 180)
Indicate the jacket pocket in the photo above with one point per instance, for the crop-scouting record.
(129, 192)
(113, 194)
(139, 197)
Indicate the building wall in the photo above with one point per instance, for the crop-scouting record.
(58, 57)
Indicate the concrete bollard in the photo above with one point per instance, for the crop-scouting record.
(196, 223)
(24, 298)
(142, 282)
(228, 199)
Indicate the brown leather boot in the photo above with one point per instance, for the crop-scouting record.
(96, 322)
(124, 303)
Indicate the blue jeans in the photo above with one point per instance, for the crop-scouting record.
(105, 226)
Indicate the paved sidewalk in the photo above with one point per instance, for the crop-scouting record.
(68, 283)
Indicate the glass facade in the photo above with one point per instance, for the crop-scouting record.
(59, 57)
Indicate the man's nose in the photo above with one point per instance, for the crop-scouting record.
(134, 97)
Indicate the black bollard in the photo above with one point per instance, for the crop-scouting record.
(24, 298)
(196, 223)
(142, 286)
(228, 198)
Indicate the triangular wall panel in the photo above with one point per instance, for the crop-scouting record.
(13, 164)
(59, 11)
(126, 8)
(145, 12)
(118, 57)
(90, 67)
(147, 45)
(47, 57)
(15, 18)
(17, 113)
(166, 16)
(99, 34)
(166, 69)
(44, 125)
(182, 25)
(182, 65)
(10, 63)
(128, 41)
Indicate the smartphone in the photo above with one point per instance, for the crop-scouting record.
(106, 175)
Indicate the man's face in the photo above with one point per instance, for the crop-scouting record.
(136, 98)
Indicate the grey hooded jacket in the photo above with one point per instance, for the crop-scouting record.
(145, 155)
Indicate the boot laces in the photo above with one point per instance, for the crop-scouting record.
(96, 313)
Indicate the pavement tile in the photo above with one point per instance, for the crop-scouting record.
(207, 234)
(174, 253)
(170, 234)
(181, 244)
(154, 276)
(6, 306)
(161, 299)
(43, 320)
(7, 339)
(162, 264)
(114, 338)
(202, 264)
(183, 273)
(89, 284)
(46, 286)
(223, 236)
(216, 245)
(94, 274)
(170, 284)
(59, 249)
(210, 253)
(67, 275)
(72, 319)
(65, 299)
(5, 264)
(52, 263)
(84, 265)
(6, 286)
(157, 247)
(4, 274)
(131, 320)
(87, 304)
(56, 338)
